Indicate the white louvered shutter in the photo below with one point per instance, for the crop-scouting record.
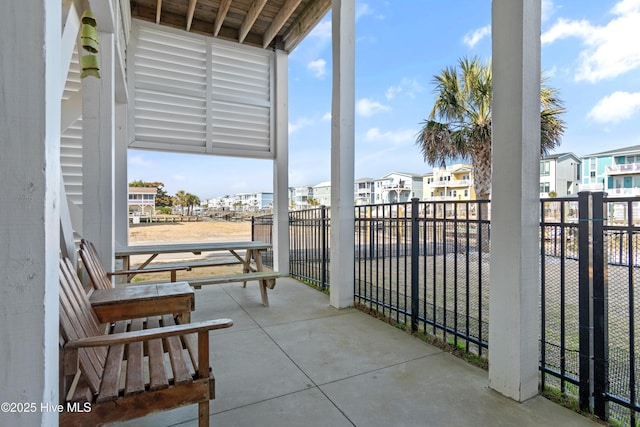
(197, 94)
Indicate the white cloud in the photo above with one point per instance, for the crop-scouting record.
(609, 50)
(409, 87)
(367, 107)
(362, 9)
(327, 116)
(616, 107)
(318, 68)
(140, 161)
(322, 31)
(473, 37)
(548, 9)
(396, 137)
(299, 124)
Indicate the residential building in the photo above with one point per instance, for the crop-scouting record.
(397, 187)
(616, 172)
(322, 193)
(559, 174)
(299, 196)
(142, 201)
(449, 183)
(254, 201)
(364, 191)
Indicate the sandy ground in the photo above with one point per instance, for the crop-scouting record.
(189, 232)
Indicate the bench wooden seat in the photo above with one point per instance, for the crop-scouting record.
(266, 279)
(135, 368)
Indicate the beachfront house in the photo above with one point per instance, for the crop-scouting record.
(616, 172)
(397, 187)
(210, 78)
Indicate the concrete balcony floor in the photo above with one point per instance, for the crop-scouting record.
(300, 362)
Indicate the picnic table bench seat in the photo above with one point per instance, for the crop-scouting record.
(130, 368)
(266, 279)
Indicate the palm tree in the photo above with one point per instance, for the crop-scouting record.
(459, 126)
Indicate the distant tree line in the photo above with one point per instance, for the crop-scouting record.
(164, 201)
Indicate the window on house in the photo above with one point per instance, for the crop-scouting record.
(592, 174)
(545, 168)
(544, 187)
(466, 193)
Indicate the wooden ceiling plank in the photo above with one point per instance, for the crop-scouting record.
(222, 13)
(250, 19)
(279, 20)
(190, 13)
(305, 22)
(158, 11)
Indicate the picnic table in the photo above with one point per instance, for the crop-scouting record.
(252, 267)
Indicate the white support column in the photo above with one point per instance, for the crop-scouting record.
(514, 295)
(281, 166)
(98, 154)
(342, 238)
(30, 213)
(121, 188)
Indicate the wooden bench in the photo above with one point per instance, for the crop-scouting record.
(135, 368)
(266, 279)
(146, 299)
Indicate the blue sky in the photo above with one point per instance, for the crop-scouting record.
(590, 52)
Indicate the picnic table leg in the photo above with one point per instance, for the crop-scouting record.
(246, 267)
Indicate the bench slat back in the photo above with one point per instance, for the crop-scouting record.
(78, 320)
(91, 261)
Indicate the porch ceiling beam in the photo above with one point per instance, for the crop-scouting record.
(308, 18)
(280, 19)
(158, 11)
(250, 19)
(190, 12)
(222, 13)
(71, 22)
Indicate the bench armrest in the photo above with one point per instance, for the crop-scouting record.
(149, 334)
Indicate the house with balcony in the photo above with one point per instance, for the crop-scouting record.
(299, 196)
(364, 191)
(210, 78)
(397, 187)
(142, 201)
(449, 183)
(617, 172)
(253, 202)
(559, 174)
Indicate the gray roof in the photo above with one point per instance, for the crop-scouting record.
(632, 149)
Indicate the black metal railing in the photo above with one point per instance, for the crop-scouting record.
(309, 245)
(426, 265)
(262, 230)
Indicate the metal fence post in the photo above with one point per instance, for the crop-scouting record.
(584, 285)
(600, 310)
(415, 271)
(323, 245)
(253, 228)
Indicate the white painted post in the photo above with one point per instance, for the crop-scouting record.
(121, 215)
(30, 70)
(514, 295)
(342, 240)
(281, 166)
(98, 154)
